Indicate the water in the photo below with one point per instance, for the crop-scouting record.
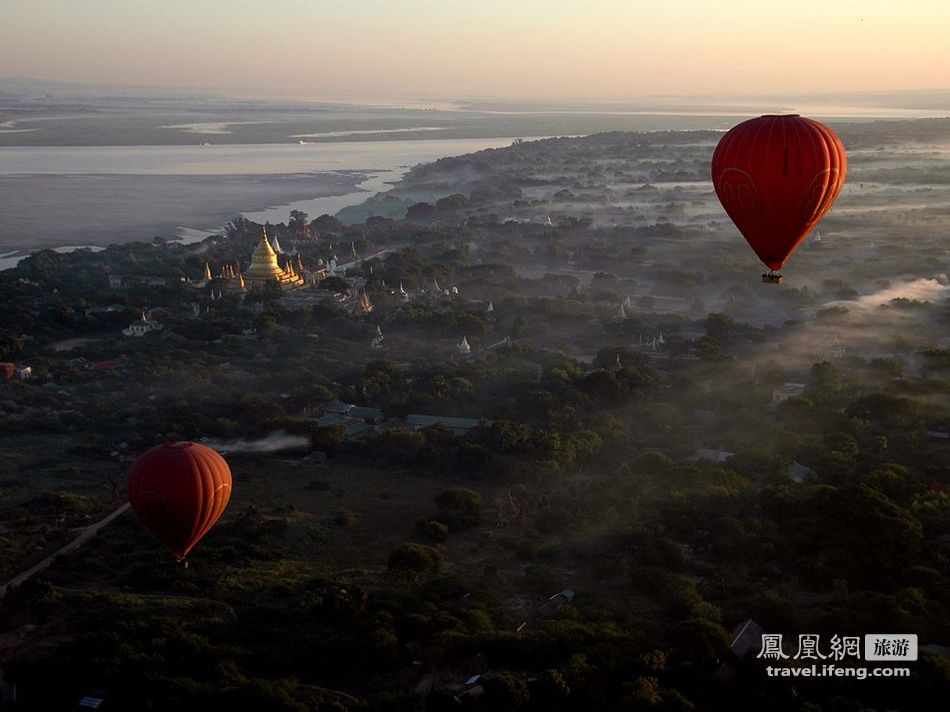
(328, 205)
(234, 159)
(332, 204)
(103, 194)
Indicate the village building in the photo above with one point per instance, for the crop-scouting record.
(798, 473)
(357, 421)
(745, 639)
(707, 455)
(782, 393)
(459, 426)
(143, 326)
(550, 606)
(119, 281)
(369, 415)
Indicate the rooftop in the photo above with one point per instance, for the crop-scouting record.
(425, 421)
(702, 454)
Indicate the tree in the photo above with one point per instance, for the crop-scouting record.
(518, 326)
(432, 530)
(654, 463)
(316, 394)
(336, 284)
(720, 327)
(887, 367)
(327, 224)
(699, 640)
(328, 438)
(607, 358)
(461, 507)
(413, 561)
(506, 691)
(887, 410)
(553, 688)
(843, 443)
(265, 324)
(420, 211)
(456, 201)
(708, 349)
(827, 386)
(10, 346)
(402, 446)
(642, 692)
(603, 386)
(538, 405)
(859, 533)
(438, 387)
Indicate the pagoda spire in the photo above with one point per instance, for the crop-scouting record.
(365, 303)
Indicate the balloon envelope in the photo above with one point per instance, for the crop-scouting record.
(179, 490)
(777, 176)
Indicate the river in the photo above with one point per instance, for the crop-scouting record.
(66, 197)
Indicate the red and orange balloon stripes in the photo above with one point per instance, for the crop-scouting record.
(777, 176)
(179, 490)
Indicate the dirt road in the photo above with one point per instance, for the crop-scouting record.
(85, 535)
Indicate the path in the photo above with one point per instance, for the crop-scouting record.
(86, 534)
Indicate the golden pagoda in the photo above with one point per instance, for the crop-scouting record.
(265, 269)
(365, 304)
(229, 279)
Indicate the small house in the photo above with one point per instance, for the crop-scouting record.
(706, 455)
(798, 473)
(459, 426)
(788, 390)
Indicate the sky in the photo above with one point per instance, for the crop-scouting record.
(611, 50)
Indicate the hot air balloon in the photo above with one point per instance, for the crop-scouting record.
(777, 176)
(179, 490)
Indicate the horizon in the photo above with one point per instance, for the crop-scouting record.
(871, 103)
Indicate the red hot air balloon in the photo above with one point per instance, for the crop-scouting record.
(777, 176)
(179, 490)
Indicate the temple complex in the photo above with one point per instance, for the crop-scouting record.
(265, 269)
